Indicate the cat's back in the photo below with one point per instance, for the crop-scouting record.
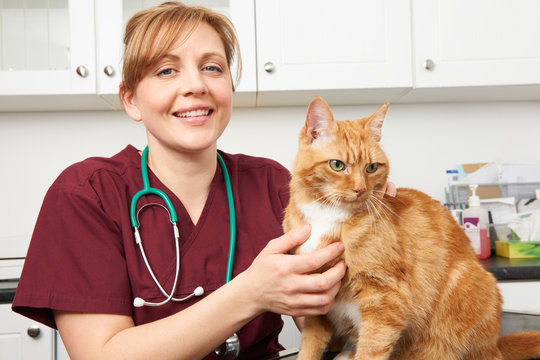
(418, 215)
(414, 205)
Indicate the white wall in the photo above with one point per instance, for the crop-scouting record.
(421, 140)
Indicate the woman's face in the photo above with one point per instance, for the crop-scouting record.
(185, 99)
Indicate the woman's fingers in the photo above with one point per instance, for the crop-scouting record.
(314, 303)
(288, 284)
(320, 282)
(288, 241)
(305, 263)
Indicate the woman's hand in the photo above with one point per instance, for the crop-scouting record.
(283, 283)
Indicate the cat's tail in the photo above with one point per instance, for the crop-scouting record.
(520, 346)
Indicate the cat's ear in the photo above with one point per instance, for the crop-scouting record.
(320, 121)
(375, 122)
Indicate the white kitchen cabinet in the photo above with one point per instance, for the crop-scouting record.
(46, 50)
(476, 49)
(66, 54)
(22, 338)
(350, 51)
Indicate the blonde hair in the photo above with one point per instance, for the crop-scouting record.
(152, 32)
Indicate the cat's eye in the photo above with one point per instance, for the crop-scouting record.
(371, 168)
(336, 165)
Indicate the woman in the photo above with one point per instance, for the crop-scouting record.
(84, 268)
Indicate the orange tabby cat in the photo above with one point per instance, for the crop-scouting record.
(413, 288)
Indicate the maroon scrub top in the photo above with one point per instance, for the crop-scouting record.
(83, 257)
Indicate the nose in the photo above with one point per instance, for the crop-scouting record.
(193, 83)
(359, 192)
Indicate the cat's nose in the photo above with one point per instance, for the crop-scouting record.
(359, 192)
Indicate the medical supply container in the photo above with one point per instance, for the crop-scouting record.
(475, 224)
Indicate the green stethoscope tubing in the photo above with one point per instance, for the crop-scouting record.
(232, 218)
(148, 190)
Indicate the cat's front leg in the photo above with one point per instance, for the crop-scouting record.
(380, 331)
(316, 334)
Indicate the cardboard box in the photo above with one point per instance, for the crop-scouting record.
(518, 249)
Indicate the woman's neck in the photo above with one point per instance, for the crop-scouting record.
(187, 175)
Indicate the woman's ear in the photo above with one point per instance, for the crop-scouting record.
(130, 105)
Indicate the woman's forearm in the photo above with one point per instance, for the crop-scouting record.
(189, 334)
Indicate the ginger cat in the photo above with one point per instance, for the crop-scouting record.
(413, 287)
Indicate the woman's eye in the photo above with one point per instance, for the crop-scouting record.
(336, 165)
(165, 72)
(213, 68)
(371, 168)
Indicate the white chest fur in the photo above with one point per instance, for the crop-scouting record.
(343, 311)
(323, 220)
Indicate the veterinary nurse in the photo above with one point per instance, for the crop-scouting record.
(84, 268)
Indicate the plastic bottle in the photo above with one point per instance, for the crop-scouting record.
(475, 224)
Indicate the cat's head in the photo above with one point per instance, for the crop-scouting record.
(340, 163)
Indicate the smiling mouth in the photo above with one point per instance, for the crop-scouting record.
(194, 113)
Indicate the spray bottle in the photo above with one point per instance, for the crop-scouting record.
(475, 224)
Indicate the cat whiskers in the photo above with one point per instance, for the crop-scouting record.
(378, 210)
(331, 200)
(381, 207)
(372, 211)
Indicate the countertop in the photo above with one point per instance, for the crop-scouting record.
(503, 269)
(513, 269)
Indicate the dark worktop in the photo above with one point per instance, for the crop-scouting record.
(503, 269)
(513, 269)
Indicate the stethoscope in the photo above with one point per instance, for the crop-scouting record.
(231, 347)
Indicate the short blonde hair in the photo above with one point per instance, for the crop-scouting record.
(152, 32)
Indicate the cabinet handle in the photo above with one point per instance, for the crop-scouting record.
(33, 331)
(429, 64)
(82, 71)
(108, 70)
(269, 67)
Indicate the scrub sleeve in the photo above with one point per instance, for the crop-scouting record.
(83, 257)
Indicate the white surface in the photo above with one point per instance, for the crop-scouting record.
(520, 295)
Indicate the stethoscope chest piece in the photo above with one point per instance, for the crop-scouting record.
(230, 349)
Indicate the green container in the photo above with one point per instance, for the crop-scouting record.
(518, 249)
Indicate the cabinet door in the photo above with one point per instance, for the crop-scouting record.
(347, 44)
(22, 338)
(109, 33)
(47, 47)
(242, 15)
(476, 43)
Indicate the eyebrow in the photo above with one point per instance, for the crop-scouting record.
(205, 55)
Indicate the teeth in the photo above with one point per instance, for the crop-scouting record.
(193, 113)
